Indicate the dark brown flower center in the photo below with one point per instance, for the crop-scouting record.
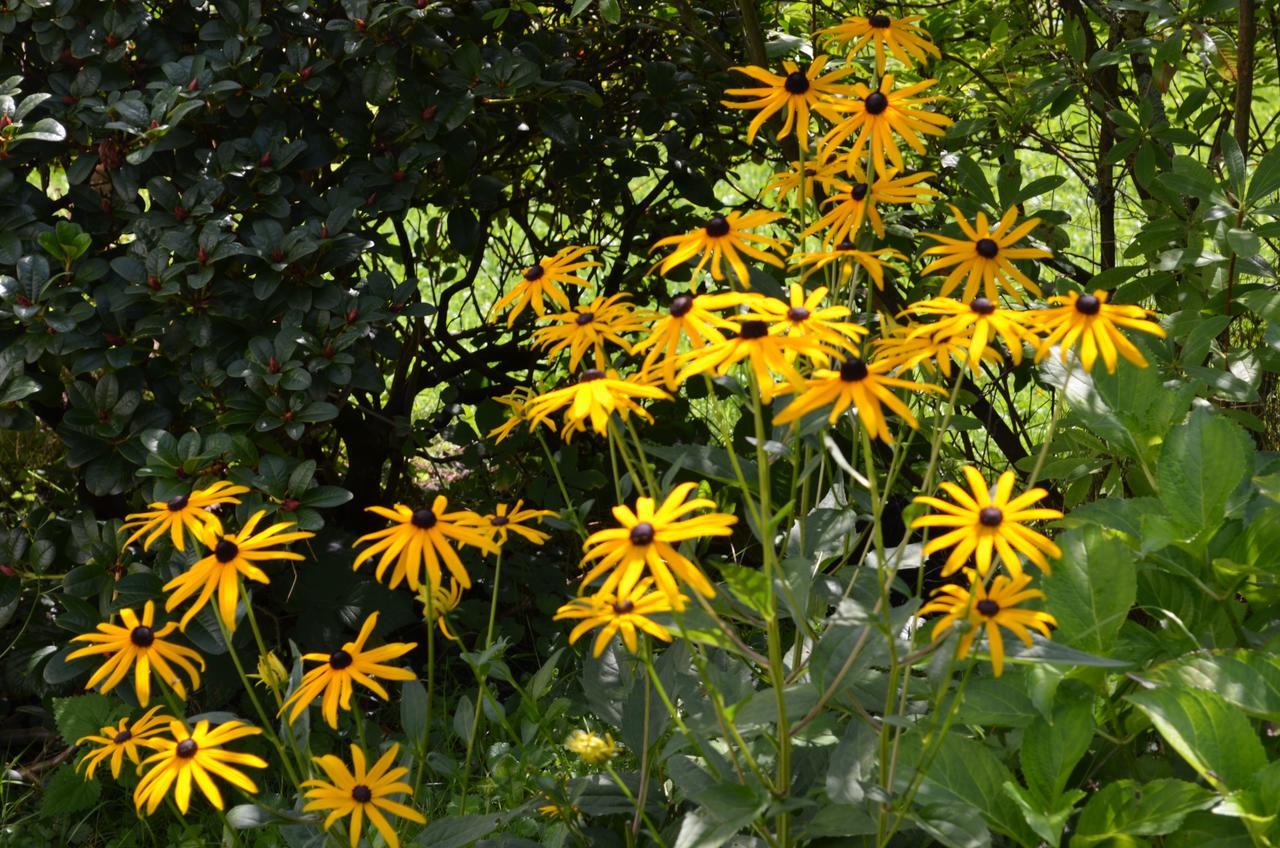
(880, 21)
(584, 318)
(339, 660)
(142, 636)
(534, 272)
(987, 607)
(642, 534)
(717, 227)
(681, 305)
(990, 516)
(754, 330)
(225, 551)
(179, 503)
(1088, 304)
(423, 519)
(846, 245)
(187, 749)
(499, 521)
(859, 192)
(987, 248)
(797, 83)
(982, 306)
(361, 794)
(591, 374)
(122, 737)
(624, 607)
(797, 313)
(853, 369)
(876, 103)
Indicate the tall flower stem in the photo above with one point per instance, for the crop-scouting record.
(564, 491)
(304, 764)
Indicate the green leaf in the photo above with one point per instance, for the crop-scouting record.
(1266, 177)
(1047, 823)
(68, 792)
(611, 11)
(1050, 751)
(996, 703)
(457, 831)
(1214, 738)
(853, 761)
(1124, 808)
(1248, 680)
(1243, 242)
(413, 711)
(1091, 589)
(84, 715)
(748, 585)
(1234, 159)
(1200, 465)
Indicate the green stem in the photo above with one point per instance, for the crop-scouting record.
(564, 491)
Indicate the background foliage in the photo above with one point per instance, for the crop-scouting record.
(257, 242)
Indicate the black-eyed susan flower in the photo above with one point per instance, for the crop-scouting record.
(517, 404)
(623, 613)
(542, 281)
(798, 91)
(421, 537)
(974, 325)
(181, 514)
(902, 348)
(125, 738)
(437, 605)
(846, 256)
(514, 518)
(593, 748)
(646, 539)
(195, 756)
(766, 348)
(693, 318)
(862, 385)
(986, 610)
(983, 258)
(805, 316)
(877, 116)
(587, 327)
(138, 645)
(721, 240)
(903, 38)
(332, 680)
(231, 556)
(988, 520)
(594, 399)
(1091, 323)
(361, 793)
(825, 174)
(855, 202)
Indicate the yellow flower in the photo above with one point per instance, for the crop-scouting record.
(138, 645)
(505, 520)
(543, 279)
(588, 327)
(857, 202)
(624, 612)
(876, 116)
(517, 403)
(361, 793)
(846, 253)
(123, 739)
(721, 240)
(767, 349)
(818, 173)
(271, 672)
(982, 257)
(988, 520)
(974, 325)
(1089, 321)
(195, 756)
(437, 606)
(423, 537)
(231, 557)
(798, 91)
(904, 38)
(692, 317)
(902, 348)
(333, 679)
(647, 538)
(863, 385)
(593, 748)
(595, 397)
(988, 610)
(805, 317)
(184, 512)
